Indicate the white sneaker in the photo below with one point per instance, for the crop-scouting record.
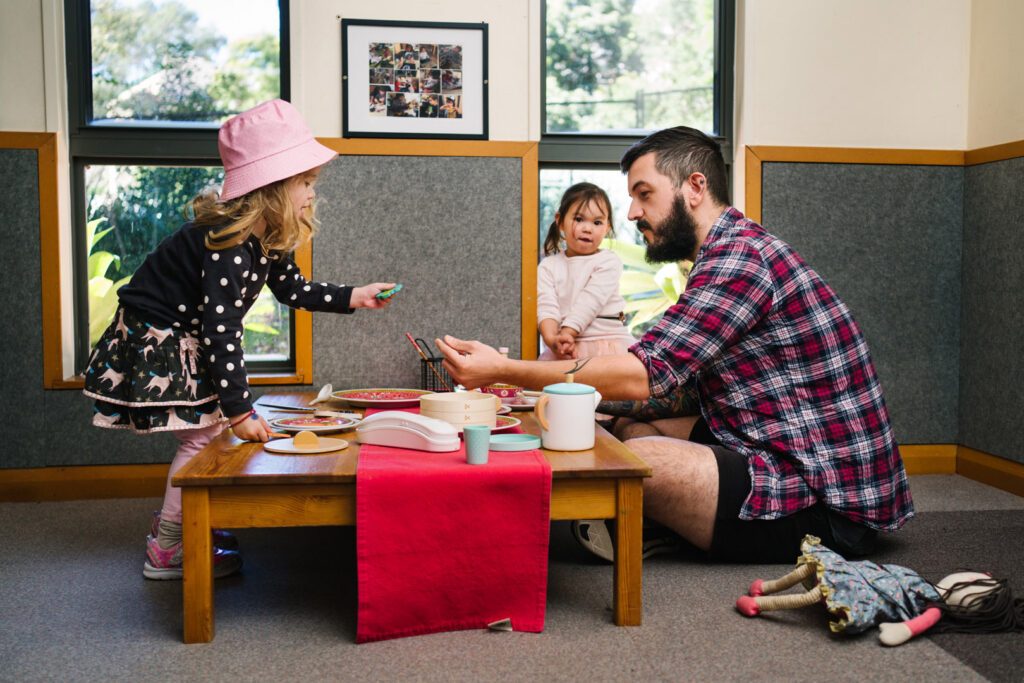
(593, 535)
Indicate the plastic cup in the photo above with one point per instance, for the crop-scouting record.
(478, 443)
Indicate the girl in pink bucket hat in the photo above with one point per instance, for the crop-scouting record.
(172, 359)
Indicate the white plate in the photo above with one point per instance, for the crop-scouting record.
(520, 406)
(318, 425)
(503, 410)
(381, 397)
(288, 446)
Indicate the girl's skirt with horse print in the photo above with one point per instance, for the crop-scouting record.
(149, 379)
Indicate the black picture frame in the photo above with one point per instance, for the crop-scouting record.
(414, 79)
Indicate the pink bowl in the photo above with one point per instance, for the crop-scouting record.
(506, 392)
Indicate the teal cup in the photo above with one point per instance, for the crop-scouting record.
(478, 443)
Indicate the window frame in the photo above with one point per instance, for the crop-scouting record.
(163, 144)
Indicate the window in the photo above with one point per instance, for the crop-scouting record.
(614, 71)
(149, 83)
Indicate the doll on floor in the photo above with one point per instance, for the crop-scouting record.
(861, 595)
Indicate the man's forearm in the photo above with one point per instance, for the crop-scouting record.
(615, 377)
(680, 403)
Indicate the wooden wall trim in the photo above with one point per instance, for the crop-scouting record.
(528, 306)
(860, 155)
(929, 458)
(45, 146)
(148, 481)
(983, 155)
(83, 482)
(428, 148)
(988, 469)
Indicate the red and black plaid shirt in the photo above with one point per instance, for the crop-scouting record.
(784, 377)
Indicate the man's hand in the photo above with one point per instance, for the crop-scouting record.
(470, 363)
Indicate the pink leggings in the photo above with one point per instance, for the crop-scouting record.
(192, 441)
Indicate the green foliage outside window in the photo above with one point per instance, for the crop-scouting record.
(155, 61)
(629, 65)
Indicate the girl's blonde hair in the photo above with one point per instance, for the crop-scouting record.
(579, 194)
(232, 222)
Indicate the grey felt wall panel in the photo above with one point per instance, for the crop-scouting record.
(448, 229)
(887, 238)
(21, 402)
(991, 361)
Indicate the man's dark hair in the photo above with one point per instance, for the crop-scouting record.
(680, 151)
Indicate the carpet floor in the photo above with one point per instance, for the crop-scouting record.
(74, 607)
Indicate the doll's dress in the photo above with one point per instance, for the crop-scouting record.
(862, 594)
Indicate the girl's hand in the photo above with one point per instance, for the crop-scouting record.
(366, 296)
(251, 428)
(565, 351)
(566, 341)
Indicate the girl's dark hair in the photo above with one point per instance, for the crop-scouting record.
(582, 194)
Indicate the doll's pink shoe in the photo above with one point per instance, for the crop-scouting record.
(756, 588)
(165, 565)
(747, 606)
(221, 539)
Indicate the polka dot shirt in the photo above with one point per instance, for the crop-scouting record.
(185, 286)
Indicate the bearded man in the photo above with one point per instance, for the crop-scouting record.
(793, 436)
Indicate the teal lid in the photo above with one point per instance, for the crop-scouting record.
(570, 388)
(514, 442)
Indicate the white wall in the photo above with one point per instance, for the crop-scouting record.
(22, 66)
(513, 64)
(996, 94)
(870, 73)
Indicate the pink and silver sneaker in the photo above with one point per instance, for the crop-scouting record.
(166, 564)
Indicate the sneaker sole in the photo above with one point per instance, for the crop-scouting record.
(601, 545)
(226, 568)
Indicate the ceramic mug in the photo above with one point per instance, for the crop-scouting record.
(566, 414)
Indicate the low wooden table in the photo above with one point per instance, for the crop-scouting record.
(237, 484)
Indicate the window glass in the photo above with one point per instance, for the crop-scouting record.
(130, 210)
(649, 289)
(149, 83)
(627, 66)
(182, 60)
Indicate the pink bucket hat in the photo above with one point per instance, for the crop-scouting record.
(267, 143)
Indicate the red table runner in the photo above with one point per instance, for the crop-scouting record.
(442, 545)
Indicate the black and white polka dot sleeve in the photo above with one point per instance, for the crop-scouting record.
(292, 289)
(226, 282)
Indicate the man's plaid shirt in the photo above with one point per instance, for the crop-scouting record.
(783, 376)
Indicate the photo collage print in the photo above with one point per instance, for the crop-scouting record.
(416, 79)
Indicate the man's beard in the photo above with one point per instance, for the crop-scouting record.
(675, 239)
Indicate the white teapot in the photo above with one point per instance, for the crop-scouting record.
(566, 414)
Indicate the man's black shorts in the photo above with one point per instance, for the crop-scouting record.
(774, 540)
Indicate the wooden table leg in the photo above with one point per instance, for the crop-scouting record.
(197, 564)
(629, 542)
